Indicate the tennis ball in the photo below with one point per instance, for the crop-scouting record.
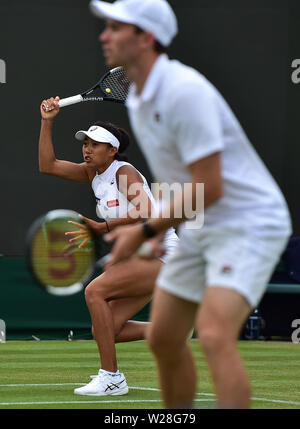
(108, 90)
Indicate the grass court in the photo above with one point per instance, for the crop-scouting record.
(43, 374)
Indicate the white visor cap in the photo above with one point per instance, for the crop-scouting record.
(153, 16)
(98, 134)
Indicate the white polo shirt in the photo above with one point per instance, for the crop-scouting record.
(179, 118)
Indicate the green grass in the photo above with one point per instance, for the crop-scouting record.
(43, 374)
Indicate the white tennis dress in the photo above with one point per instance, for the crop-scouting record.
(112, 204)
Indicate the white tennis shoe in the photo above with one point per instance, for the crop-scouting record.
(104, 384)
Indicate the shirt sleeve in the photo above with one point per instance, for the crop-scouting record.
(196, 122)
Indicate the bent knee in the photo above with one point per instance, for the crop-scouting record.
(94, 291)
(89, 292)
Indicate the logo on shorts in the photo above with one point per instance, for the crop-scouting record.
(226, 269)
(157, 117)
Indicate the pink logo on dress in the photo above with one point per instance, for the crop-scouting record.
(113, 203)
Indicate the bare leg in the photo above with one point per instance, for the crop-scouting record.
(171, 321)
(132, 279)
(132, 331)
(219, 321)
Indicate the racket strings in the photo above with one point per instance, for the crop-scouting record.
(116, 85)
(54, 261)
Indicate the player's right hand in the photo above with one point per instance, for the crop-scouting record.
(52, 106)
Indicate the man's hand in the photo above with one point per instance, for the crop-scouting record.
(152, 248)
(127, 240)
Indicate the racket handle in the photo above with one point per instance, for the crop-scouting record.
(70, 100)
(66, 102)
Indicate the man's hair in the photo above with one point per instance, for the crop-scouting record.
(158, 47)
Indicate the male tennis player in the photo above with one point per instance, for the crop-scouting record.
(219, 271)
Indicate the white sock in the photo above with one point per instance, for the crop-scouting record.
(108, 372)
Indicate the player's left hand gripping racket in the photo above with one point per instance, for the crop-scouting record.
(113, 86)
(59, 267)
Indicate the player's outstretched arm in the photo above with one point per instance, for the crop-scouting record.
(48, 164)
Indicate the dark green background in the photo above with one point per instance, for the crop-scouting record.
(50, 48)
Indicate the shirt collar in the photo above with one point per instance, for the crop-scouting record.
(151, 85)
(108, 171)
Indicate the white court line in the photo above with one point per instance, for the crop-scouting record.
(71, 384)
(278, 401)
(91, 402)
(41, 384)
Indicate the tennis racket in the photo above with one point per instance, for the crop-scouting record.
(59, 267)
(113, 86)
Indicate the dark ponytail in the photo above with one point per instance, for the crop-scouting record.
(121, 135)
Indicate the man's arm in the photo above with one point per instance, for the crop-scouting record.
(206, 171)
(129, 238)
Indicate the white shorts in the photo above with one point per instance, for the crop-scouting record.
(170, 243)
(234, 258)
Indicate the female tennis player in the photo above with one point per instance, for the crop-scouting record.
(123, 290)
